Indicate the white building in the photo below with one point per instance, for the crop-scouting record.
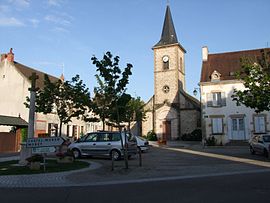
(221, 117)
(14, 84)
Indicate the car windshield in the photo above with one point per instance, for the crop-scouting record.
(266, 138)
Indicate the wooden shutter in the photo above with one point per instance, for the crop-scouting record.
(223, 99)
(209, 98)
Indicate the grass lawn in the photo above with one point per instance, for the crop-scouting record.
(11, 167)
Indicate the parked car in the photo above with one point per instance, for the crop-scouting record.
(104, 143)
(260, 144)
(142, 143)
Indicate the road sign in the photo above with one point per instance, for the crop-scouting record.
(44, 142)
(40, 150)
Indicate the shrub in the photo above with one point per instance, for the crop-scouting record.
(35, 158)
(211, 141)
(24, 134)
(195, 135)
(151, 136)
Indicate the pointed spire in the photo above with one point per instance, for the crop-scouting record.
(168, 35)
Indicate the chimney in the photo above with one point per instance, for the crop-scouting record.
(205, 53)
(10, 56)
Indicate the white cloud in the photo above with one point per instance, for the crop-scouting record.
(4, 9)
(57, 20)
(34, 22)
(11, 22)
(55, 2)
(60, 29)
(21, 3)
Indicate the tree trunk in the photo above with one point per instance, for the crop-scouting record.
(60, 129)
(103, 124)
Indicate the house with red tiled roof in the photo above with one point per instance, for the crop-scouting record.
(14, 84)
(221, 117)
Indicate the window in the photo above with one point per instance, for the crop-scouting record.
(217, 125)
(91, 138)
(74, 131)
(216, 99)
(259, 124)
(53, 129)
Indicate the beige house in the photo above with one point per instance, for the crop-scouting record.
(14, 84)
(221, 117)
(171, 110)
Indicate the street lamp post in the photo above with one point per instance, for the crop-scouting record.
(195, 92)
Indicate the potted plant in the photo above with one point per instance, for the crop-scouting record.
(34, 161)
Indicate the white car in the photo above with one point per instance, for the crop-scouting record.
(260, 144)
(142, 143)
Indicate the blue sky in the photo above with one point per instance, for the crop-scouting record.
(45, 34)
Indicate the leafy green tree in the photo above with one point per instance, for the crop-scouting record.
(135, 112)
(255, 74)
(110, 95)
(68, 99)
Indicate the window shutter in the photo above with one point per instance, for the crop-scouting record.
(223, 99)
(209, 99)
(262, 124)
(259, 124)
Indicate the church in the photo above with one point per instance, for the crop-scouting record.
(171, 111)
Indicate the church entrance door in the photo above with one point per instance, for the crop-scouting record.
(166, 130)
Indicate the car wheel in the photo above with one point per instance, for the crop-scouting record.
(76, 153)
(265, 153)
(115, 154)
(251, 150)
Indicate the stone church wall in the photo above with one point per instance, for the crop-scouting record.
(189, 120)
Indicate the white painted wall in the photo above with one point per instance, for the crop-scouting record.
(14, 89)
(230, 109)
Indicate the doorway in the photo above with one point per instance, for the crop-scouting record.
(238, 129)
(166, 130)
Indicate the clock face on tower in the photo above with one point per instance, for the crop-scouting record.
(165, 59)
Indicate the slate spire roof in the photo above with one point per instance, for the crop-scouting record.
(168, 35)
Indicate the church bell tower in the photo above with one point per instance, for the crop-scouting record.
(169, 79)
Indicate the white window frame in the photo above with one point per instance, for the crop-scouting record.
(217, 125)
(216, 99)
(259, 124)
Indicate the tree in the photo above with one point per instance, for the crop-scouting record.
(68, 99)
(135, 112)
(110, 97)
(255, 75)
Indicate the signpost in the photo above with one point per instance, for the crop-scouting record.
(44, 145)
(43, 150)
(44, 142)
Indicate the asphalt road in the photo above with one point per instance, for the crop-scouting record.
(186, 178)
(246, 188)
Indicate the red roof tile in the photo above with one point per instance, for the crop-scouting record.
(226, 63)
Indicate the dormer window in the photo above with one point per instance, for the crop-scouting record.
(215, 76)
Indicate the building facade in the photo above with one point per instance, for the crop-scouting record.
(14, 84)
(221, 117)
(171, 111)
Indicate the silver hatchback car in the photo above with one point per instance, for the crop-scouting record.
(260, 144)
(104, 143)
